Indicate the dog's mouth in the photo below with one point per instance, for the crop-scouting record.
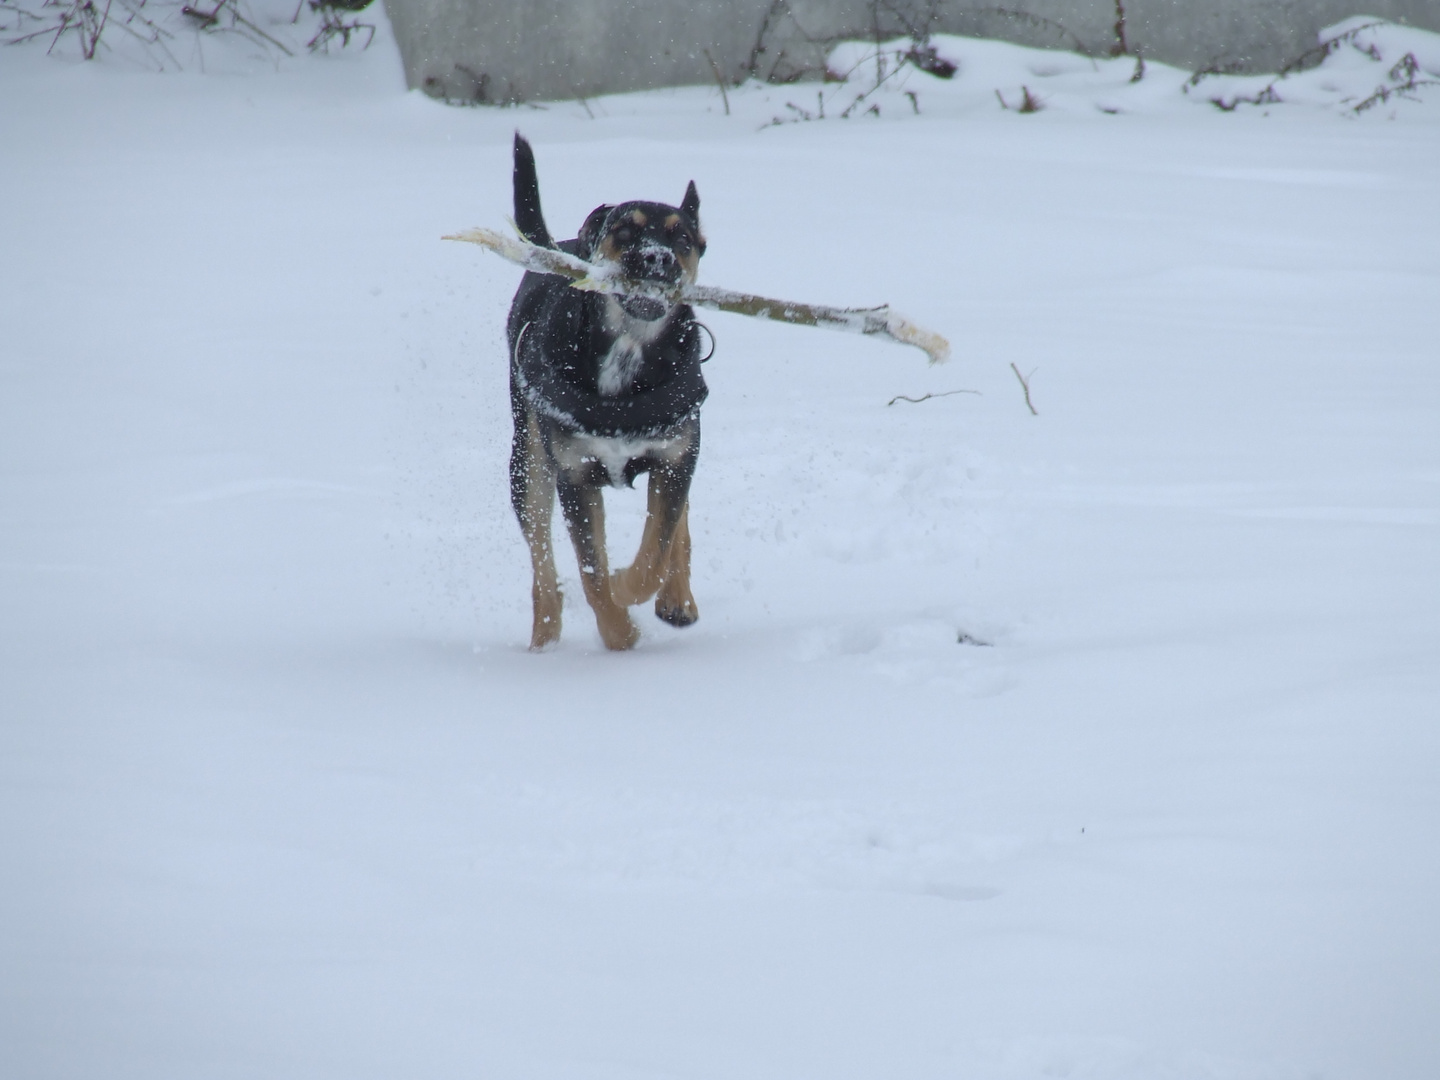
(643, 307)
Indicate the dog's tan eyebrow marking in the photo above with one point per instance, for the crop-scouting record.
(672, 221)
(638, 217)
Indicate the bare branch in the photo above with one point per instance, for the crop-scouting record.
(719, 81)
(1310, 57)
(927, 397)
(1385, 93)
(1025, 385)
(875, 322)
(1041, 23)
(255, 29)
(1029, 103)
(1121, 46)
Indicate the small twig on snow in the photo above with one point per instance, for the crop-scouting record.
(1385, 93)
(212, 18)
(1025, 385)
(204, 18)
(1029, 103)
(927, 397)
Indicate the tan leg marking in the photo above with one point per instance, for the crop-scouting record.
(675, 604)
(617, 630)
(640, 580)
(545, 597)
(660, 568)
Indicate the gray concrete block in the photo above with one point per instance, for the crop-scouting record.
(506, 51)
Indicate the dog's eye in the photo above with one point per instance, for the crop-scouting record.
(680, 239)
(624, 234)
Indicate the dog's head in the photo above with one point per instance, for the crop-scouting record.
(648, 242)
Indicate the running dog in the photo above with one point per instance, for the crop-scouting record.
(602, 389)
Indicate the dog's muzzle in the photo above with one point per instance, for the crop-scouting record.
(650, 261)
(643, 307)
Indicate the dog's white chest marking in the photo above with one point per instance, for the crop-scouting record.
(621, 364)
(614, 452)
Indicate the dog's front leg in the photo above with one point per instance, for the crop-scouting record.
(641, 580)
(584, 508)
(676, 604)
(662, 562)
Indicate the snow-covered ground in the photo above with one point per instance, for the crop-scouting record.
(1101, 743)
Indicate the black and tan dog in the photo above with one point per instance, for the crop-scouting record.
(602, 389)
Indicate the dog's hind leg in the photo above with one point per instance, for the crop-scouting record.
(532, 493)
(584, 508)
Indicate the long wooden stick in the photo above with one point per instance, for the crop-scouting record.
(875, 322)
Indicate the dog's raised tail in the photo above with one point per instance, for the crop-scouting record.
(528, 218)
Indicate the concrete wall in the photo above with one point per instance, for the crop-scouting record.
(503, 51)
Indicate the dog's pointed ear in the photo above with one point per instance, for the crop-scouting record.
(691, 203)
(592, 230)
(690, 207)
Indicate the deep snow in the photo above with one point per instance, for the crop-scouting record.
(285, 796)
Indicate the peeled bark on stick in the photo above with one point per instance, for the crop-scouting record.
(875, 322)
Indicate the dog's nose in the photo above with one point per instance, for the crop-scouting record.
(653, 261)
(659, 261)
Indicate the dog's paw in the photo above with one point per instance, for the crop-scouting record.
(678, 612)
(619, 634)
(544, 631)
(627, 587)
